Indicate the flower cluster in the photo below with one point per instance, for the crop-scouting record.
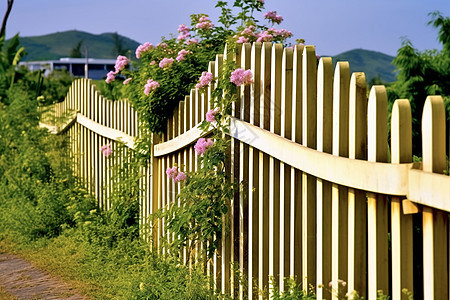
(241, 77)
(165, 62)
(211, 115)
(181, 54)
(184, 32)
(106, 149)
(204, 23)
(151, 85)
(202, 145)
(205, 79)
(121, 62)
(265, 37)
(111, 76)
(143, 48)
(272, 15)
(176, 174)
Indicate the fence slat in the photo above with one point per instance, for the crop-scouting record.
(324, 144)
(309, 101)
(253, 183)
(435, 222)
(263, 214)
(377, 204)
(339, 214)
(401, 225)
(357, 203)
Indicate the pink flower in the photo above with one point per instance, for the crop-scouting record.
(204, 23)
(142, 48)
(161, 45)
(183, 36)
(152, 63)
(265, 37)
(106, 149)
(182, 54)
(211, 115)
(165, 62)
(192, 41)
(126, 81)
(242, 39)
(248, 31)
(272, 15)
(241, 77)
(183, 28)
(110, 77)
(150, 86)
(205, 79)
(121, 62)
(202, 145)
(172, 172)
(181, 176)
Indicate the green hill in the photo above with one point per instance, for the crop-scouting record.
(372, 63)
(60, 44)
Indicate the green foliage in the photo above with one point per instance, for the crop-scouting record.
(38, 194)
(292, 291)
(76, 51)
(10, 54)
(421, 74)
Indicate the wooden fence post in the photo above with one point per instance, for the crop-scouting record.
(309, 101)
(357, 203)
(377, 204)
(401, 225)
(435, 222)
(324, 144)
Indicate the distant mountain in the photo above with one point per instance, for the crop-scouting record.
(372, 63)
(60, 44)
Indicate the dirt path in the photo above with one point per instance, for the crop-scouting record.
(20, 279)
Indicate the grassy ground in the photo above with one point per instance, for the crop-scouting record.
(5, 296)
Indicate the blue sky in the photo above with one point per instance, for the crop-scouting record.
(334, 26)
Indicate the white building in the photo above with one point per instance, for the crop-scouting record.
(97, 67)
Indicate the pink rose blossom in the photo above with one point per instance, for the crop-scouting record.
(172, 172)
(127, 81)
(181, 176)
(150, 86)
(249, 31)
(106, 149)
(183, 28)
(142, 48)
(161, 45)
(211, 115)
(192, 41)
(242, 39)
(265, 37)
(241, 77)
(152, 63)
(183, 36)
(202, 145)
(204, 23)
(110, 76)
(272, 15)
(165, 62)
(205, 79)
(182, 54)
(121, 62)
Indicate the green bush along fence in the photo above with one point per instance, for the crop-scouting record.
(325, 196)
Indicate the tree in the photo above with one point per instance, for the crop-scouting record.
(421, 74)
(5, 17)
(76, 51)
(119, 47)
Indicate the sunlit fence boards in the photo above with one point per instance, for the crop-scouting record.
(329, 193)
